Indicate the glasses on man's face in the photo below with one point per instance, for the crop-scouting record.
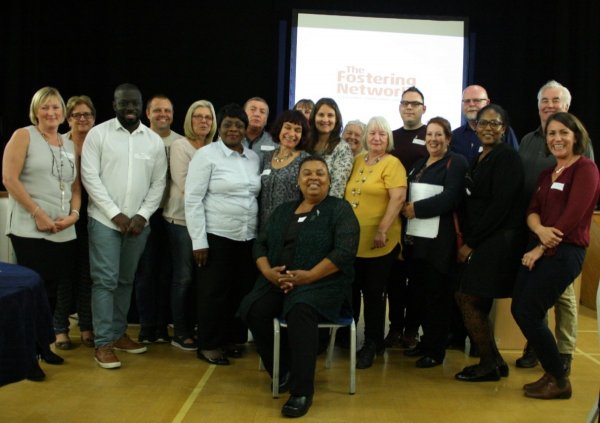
(84, 115)
(474, 100)
(405, 103)
(494, 124)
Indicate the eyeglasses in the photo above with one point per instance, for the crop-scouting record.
(494, 124)
(410, 103)
(85, 115)
(207, 118)
(473, 100)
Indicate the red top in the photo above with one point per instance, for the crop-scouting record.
(569, 202)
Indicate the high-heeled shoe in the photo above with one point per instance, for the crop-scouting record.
(49, 357)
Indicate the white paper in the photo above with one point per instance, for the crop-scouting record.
(424, 228)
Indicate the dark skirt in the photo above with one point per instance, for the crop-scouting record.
(493, 267)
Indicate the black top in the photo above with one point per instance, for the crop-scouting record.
(493, 195)
(448, 172)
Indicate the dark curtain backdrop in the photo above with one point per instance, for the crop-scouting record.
(228, 53)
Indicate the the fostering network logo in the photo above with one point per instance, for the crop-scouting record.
(358, 82)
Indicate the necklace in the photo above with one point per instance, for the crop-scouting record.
(279, 159)
(57, 166)
(377, 159)
(560, 169)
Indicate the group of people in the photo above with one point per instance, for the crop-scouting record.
(308, 222)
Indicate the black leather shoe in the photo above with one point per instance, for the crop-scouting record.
(528, 359)
(366, 355)
(296, 406)
(414, 352)
(36, 373)
(427, 362)
(477, 374)
(49, 357)
(219, 360)
(503, 369)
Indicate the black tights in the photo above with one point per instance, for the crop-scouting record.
(475, 312)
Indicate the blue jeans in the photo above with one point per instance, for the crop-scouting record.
(183, 273)
(113, 260)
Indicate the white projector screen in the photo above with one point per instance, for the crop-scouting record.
(365, 63)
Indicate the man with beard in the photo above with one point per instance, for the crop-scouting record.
(123, 168)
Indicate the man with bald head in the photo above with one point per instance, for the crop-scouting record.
(123, 169)
(464, 138)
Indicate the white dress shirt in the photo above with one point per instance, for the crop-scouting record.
(220, 194)
(123, 172)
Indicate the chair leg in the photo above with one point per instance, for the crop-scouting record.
(352, 358)
(329, 358)
(276, 349)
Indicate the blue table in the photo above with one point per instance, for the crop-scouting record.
(25, 321)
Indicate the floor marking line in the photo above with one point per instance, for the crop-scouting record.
(193, 395)
(589, 356)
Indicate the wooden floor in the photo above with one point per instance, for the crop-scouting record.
(170, 385)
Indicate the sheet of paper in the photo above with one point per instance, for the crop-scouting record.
(424, 228)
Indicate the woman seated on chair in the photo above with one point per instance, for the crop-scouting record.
(305, 255)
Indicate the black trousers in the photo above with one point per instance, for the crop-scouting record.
(53, 261)
(299, 345)
(403, 313)
(536, 291)
(221, 284)
(370, 278)
(434, 296)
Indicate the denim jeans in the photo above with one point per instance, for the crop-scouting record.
(153, 276)
(113, 260)
(183, 274)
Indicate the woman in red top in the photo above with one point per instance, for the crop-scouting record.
(559, 217)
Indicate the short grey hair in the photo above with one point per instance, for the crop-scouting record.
(566, 95)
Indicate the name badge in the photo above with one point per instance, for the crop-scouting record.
(69, 156)
(418, 141)
(266, 172)
(468, 191)
(480, 149)
(267, 148)
(301, 219)
(558, 185)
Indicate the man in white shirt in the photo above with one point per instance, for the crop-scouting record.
(123, 169)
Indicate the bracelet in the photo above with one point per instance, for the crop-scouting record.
(542, 246)
(75, 211)
(468, 260)
(35, 212)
